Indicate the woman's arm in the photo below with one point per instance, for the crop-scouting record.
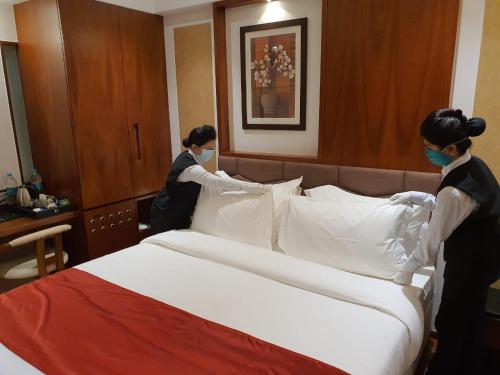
(200, 175)
(452, 207)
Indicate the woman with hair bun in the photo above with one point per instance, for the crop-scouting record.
(465, 216)
(175, 204)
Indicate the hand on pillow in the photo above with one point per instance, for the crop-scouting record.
(426, 200)
(249, 187)
(401, 198)
(254, 188)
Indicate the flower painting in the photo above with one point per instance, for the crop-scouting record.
(274, 75)
(274, 63)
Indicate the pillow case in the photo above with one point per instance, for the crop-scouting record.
(357, 237)
(245, 217)
(281, 194)
(416, 219)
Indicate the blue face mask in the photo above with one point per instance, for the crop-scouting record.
(437, 157)
(205, 156)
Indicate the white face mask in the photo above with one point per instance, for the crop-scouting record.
(205, 156)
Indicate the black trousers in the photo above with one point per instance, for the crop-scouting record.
(162, 220)
(460, 319)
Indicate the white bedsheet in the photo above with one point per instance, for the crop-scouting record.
(359, 324)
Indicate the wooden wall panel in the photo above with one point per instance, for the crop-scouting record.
(41, 62)
(221, 84)
(97, 99)
(193, 64)
(385, 65)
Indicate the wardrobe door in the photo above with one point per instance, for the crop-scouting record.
(143, 50)
(95, 76)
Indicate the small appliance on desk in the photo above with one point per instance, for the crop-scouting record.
(28, 200)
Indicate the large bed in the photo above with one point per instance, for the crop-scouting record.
(272, 313)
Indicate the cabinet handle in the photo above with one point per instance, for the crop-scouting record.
(137, 140)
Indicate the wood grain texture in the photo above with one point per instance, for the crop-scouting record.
(143, 50)
(270, 156)
(23, 225)
(221, 84)
(193, 64)
(385, 65)
(110, 228)
(41, 63)
(97, 99)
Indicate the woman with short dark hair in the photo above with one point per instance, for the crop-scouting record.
(175, 204)
(465, 217)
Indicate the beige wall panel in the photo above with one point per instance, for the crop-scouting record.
(193, 63)
(487, 102)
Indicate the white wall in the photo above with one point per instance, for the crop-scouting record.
(468, 48)
(272, 141)
(8, 153)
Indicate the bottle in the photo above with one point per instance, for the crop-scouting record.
(10, 188)
(36, 181)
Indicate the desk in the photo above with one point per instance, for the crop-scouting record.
(24, 225)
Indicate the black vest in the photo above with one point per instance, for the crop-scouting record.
(178, 199)
(476, 242)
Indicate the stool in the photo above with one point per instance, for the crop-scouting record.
(46, 259)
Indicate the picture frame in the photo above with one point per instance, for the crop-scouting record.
(274, 75)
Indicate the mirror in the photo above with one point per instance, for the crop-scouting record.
(17, 110)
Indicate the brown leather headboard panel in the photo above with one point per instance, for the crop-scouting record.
(366, 181)
(313, 174)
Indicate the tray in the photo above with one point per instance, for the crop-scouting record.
(44, 213)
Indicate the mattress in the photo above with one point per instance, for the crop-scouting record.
(423, 279)
(355, 323)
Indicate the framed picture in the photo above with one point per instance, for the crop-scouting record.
(274, 75)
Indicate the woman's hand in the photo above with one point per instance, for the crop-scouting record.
(425, 200)
(401, 198)
(255, 188)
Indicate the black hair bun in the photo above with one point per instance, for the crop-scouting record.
(186, 143)
(475, 126)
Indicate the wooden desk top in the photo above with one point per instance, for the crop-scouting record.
(27, 224)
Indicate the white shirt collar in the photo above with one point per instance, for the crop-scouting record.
(456, 163)
(194, 155)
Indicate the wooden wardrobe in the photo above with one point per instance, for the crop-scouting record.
(95, 88)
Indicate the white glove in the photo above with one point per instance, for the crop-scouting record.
(222, 174)
(254, 188)
(403, 278)
(401, 198)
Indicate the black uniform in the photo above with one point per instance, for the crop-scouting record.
(175, 204)
(472, 263)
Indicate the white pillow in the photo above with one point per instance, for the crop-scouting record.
(357, 237)
(245, 218)
(281, 194)
(416, 218)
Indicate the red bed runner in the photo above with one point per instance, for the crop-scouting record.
(74, 322)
